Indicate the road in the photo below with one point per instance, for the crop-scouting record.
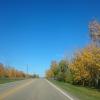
(30, 89)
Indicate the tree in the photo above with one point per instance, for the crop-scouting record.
(1, 70)
(85, 66)
(54, 69)
(49, 74)
(35, 76)
(62, 70)
(94, 29)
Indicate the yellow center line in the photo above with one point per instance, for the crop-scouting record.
(10, 92)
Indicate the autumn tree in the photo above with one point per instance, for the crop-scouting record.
(1, 70)
(54, 68)
(58, 71)
(49, 74)
(94, 30)
(10, 72)
(85, 66)
(62, 70)
(53, 71)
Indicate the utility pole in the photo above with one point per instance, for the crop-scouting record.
(27, 70)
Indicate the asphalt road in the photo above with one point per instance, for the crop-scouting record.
(31, 89)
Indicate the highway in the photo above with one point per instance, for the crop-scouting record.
(31, 89)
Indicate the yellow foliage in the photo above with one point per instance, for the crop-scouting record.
(86, 63)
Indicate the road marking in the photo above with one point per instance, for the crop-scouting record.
(65, 94)
(9, 92)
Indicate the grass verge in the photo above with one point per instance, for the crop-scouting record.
(6, 80)
(82, 93)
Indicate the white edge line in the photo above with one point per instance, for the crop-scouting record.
(65, 94)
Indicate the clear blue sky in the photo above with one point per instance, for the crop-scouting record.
(36, 32)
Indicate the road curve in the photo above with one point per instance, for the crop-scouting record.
(31, 89)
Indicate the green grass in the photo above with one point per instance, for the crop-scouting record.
(82, 93)
(6, 80)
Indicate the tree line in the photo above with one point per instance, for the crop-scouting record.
(84, 68)
(10, 72)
